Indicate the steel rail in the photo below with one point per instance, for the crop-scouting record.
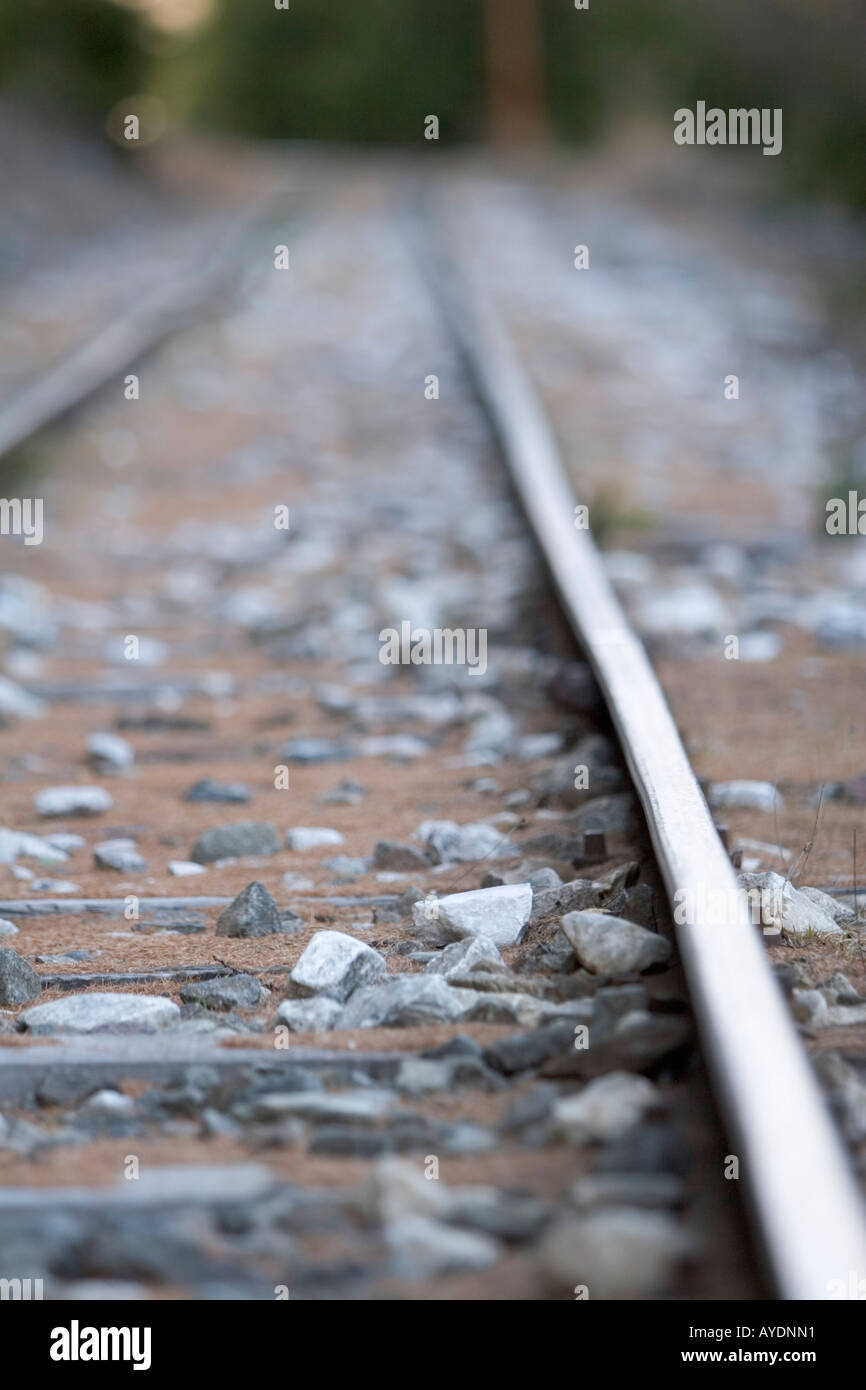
(805, 1202)
(122, 342)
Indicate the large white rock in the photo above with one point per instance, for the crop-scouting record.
(335, 964)
(618, 1252)
(605, 1109)
(612, 946)
(500, 914)
(94, 1012)
(776, 906)
(73, 801)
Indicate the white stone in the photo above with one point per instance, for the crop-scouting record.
(95, 1012)
(304, 837)
(72, 801)
(745, 795)
(423, 1247)
(335, 964)
(606, 1108)
(500, 914)
(185, 868)
(777, 906)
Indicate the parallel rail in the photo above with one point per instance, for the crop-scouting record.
(805, 1203)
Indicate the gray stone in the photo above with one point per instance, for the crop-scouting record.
(72, 801)
(524, 1051)
(606, 1108)
(253, 913)
(473, 953)
(611, 946)
(335, 964)
(501, 914)
(243, 837)
(315, 750)
(19, 982)
(652, 1191)
(397, 858)
(423, 1075)
(95, 1012)
(404, 1001)
(7, 928)
(231, 793)
(120, 855)
(309, 1015)
(306, 837)
(227, 992)
(580, 893)
(615, 814)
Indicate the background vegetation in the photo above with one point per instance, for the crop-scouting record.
(370, 70)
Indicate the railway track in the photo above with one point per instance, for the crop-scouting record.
(353, 1082)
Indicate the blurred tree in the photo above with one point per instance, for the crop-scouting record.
(338, 70)
(514, 71)
(78, 55)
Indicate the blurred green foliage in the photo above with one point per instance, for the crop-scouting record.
(78, 56)
(370, 70)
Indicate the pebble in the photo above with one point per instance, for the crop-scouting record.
(392, 857)
(305, 837)
(612, 946)
(744, 795)
(606, 1108)
(240, 838)
(501, 914)
(451, 843)
(315, 750)
(108, 1102)
(7, 928)
(523, 1051)
(109, 753)
(19, 982)
(335, 964)
(16, 703)
(232, 793)
(185, 868)
(121, 855)
(72, 801)
(615, 814)
(96, 1012)
(346, 793)
(253, 913)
